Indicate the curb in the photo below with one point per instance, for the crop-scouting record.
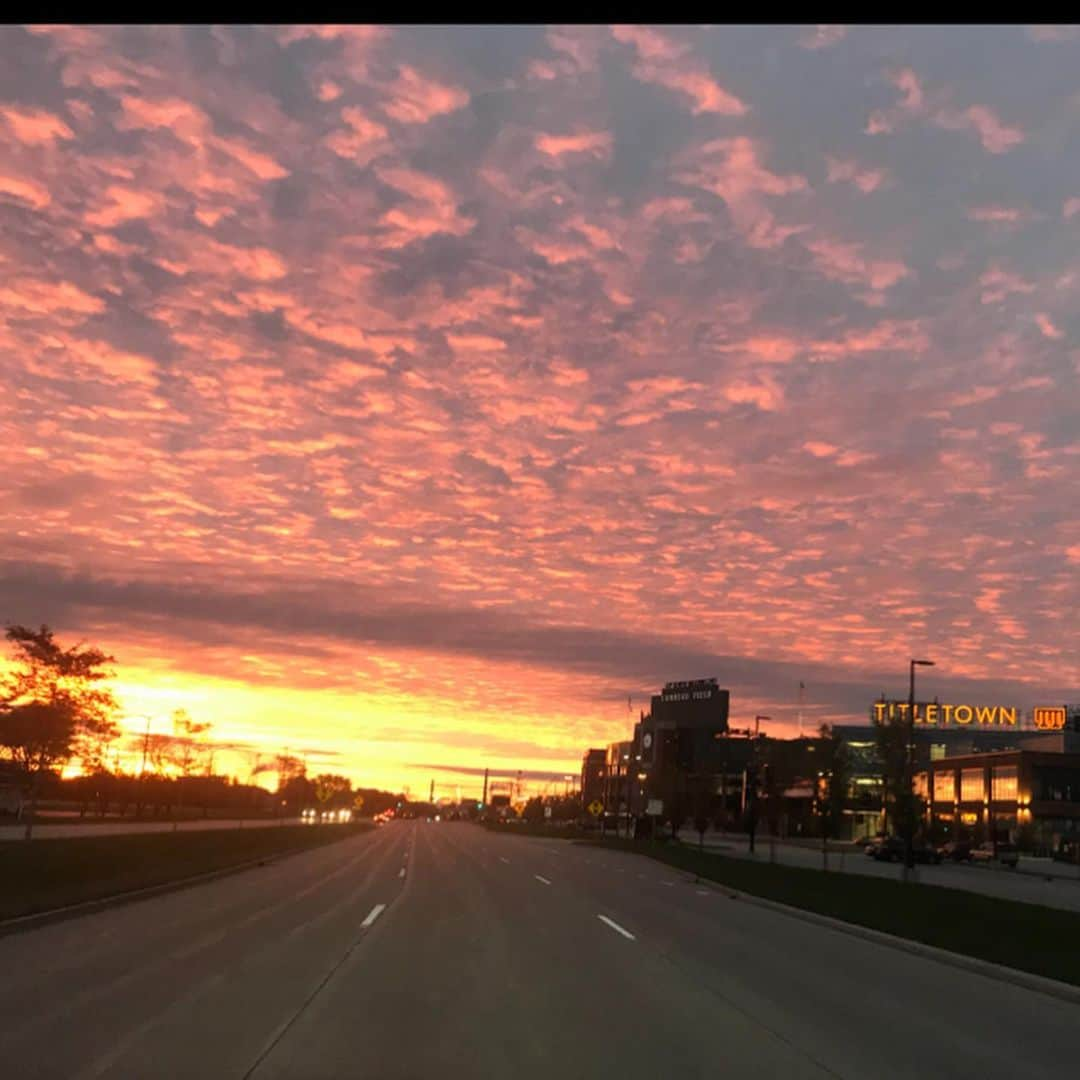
(43, 918)
(1026, 980)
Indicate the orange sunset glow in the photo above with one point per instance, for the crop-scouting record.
(419, 401)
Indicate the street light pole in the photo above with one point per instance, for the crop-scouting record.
(909, 785)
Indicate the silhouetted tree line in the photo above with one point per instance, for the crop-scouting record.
(55, 709)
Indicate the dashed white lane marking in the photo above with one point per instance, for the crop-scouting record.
(616, 927)
(641, 877)
(401, 872)
(669, 884)
(703, 892)
(543, 879)
(504, 859)
(373, 914)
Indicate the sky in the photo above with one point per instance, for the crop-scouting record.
(422, 399)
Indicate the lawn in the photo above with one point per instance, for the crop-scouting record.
(1041, 940)
(46, 874)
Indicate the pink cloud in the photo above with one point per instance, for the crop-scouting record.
(761, 390)
(822, 37)
(1053, 34)
(997, 215)
(996, 137)
(328, 90)
(660, 61)
(125, 204)
(1047, 328)
(650, 44)
(845, 262)
(820, 449)
(907, 82)
(595, 143)
(35, 127)
(25, 190)
(186, 121)
(475, 343)
(258, 263)
(767, 349)
(262, 165)
(866, 180)
(732, 169)
(997, 284)
(416, 99)
(363, 139)
(111, 364)
(37, 297)
(433, 209)
(1072, 206)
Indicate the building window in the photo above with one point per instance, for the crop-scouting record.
(972, 785)
(1004, 784)
(945, 786)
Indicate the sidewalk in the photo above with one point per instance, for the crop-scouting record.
(43, 831)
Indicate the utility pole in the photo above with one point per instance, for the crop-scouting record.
(431, 793)
(802, 702)
(909, 778)
(484, 799)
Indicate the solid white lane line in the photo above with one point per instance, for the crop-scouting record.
(616, 927)
(505, 860)
(373, 914)
(543, 879)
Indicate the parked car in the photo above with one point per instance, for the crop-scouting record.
(1068, 850)
(1006, 854)
(887, 849)
(956, 851)
(871, 843)
(924, 853)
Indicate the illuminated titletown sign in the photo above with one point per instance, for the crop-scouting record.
(932, 713)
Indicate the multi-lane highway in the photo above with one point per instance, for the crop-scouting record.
(444, 950)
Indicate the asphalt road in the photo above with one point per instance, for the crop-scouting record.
(444, 950)
(1058, 888)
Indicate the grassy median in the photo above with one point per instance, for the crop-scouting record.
(45, 874)
(1028, 937)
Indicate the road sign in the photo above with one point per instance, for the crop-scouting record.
(358, 802)
(655, 808)
(596, 808)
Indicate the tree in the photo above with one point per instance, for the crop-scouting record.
(53, 706)
(189, 751)
(898, 800)
(833, 783)
(333, 791)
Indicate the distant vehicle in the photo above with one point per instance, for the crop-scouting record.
(869, 843)
(1007, 854)
(956, 851)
